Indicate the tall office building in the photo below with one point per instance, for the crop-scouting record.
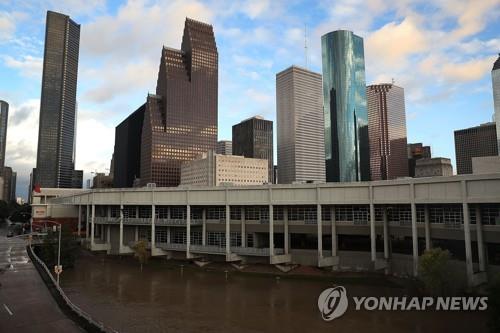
(224, 147)
(300, 126)
(472, 142)
(347, 153)
(4, 117)
(9, 184)
(495, 78)
(127, 152)
(253, 138)
(415, 152)
(56, 134)
(387, 131)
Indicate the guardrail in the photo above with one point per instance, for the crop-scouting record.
(89, 324)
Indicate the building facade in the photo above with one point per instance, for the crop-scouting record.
(9, 184)
(347, 153)
(416, 151)
(224, 147)
(127, 152)
(4, 117)
(472, 142)
(253, 138)
(363, 226)
(180, 121)
(300, 126)
(387, 131)
(56, 133)
(212, 169)
(433, 167)
(495, 79)
(486, 165)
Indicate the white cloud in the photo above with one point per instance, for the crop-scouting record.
(94, 145)
(255, 8)
(7, 26)
(28, 66)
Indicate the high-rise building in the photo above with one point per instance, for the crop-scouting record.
(180, 121)
(4, 117)
(224, 147)
(433, 167)
(9, 184)
(387, 131)
(127, 152)
(347, 153)
(300, 126)
(211, 169)
(253, 138)
(55, 161)
(472, 142)
(495, 78)
(415, 152)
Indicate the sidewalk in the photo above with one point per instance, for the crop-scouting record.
(25, 302)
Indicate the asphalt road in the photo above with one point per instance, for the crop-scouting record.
(25, 303)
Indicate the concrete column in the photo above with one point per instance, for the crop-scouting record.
(188, 229)
(228, 230)
(79, 220)
(480, 243)
(108, 212)
(320, 231)
(243, 228)
(168, 235)
(153, 231)
(271, 230)
(414, 230)
(136, 211)
(108, 235)
(87, 224)
(92, 231)
(428, 244)
(136, 235)
(286, 235)
(204, 226)
(468, 245)
(373, 236)
(414, 237)
(121, 226)
(386, 233)
(334, 231)
(168, 213)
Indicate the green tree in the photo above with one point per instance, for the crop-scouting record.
(141, 252)
(494, 305)
(69, 247)
(434, 270)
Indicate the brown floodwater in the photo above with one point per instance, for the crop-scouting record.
(164, 298)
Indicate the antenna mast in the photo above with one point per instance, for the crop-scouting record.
(305, 44)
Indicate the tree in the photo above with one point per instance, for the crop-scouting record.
(434, 270)
(69, 247)
(494, 305)
(141, 252)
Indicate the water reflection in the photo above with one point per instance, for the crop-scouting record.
(161, 299)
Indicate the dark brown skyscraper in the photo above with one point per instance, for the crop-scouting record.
(180, 121)
(416, 151)
(472, 142)
(387, 131)
(56, 133)
(254, 138)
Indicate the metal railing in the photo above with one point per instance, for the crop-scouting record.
(171, 246)
(68, 302)
(254, 251)
(207, 249)
(107, 220)
(177, 222)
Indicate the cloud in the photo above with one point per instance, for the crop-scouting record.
(255, 8)
(29, 66)
(7, 26)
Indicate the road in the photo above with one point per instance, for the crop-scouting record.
(25, 302)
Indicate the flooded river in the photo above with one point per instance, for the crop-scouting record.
(163, 298)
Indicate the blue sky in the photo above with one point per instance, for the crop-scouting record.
(441, 52)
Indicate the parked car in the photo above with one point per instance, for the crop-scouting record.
(10, 233)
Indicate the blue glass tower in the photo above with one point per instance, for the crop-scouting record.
(344, 100)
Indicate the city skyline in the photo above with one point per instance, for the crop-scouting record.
(94, 151)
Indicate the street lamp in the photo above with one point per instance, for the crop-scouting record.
(58, 269)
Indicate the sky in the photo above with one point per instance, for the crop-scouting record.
(441, 52)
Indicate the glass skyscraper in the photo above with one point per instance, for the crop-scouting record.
(4, 116)
(56, 134)
(344, 101)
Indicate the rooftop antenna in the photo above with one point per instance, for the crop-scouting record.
(305, 44)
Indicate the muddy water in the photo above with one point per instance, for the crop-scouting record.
(164, 299)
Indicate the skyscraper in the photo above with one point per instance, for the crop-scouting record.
(415, 152)
(56, 134)
(346, 119)
(495, 78)
(224, 147)
(253, 138)
(300, 126)
(387, 131)
(4, 116)
(472, 142)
